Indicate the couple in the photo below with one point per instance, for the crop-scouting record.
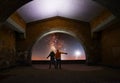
(55, 59)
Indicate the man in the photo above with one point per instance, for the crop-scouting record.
(52, 59)
(58, 58)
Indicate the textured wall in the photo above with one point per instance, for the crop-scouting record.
(7, 47)
(100, 18)
(37, 29)
(110, 38)
(17, 18)
(107, 39)
(110, 41)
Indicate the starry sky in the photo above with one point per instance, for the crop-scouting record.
(61, 41)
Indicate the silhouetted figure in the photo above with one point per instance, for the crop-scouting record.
(52, 59)
(58, 58)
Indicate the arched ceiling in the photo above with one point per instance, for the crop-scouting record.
(7, 7)
(112, 5)
(83, 10)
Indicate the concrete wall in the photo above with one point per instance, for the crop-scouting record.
(7, 47)
(104, 32)
(110, 42)
(8, 36)
(104, 45)
(106, 40)
(17, 18)
(99, 20)
(36, 29)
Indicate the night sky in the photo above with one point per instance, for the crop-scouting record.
(61, 41)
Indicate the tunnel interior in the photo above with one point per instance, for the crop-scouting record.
(96, 47)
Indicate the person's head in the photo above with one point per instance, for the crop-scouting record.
(52, 51)
(57, 50)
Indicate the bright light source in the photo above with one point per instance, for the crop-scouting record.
(77, 53)
(75, 9)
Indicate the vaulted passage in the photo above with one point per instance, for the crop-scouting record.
(85, 30)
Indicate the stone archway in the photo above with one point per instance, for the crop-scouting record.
(35, 30)
(61, 33)
(7, 7)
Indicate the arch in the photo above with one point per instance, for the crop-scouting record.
(79, 30)
(8, 7)
(13, 5)
(58, 31)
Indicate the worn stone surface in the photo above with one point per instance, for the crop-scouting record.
(7, 47)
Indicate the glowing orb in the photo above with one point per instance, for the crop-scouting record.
(77, 53)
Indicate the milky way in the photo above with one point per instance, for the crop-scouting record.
(63, 42)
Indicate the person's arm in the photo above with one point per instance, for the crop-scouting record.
(64, 53)
(48, 56)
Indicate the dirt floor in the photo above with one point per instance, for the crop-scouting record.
(70, 73)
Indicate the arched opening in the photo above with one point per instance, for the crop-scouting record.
(61, 40)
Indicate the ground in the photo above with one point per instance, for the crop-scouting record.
(70, 73)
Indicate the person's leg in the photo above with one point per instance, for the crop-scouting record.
(55, 64)
(59, 64)
(50, 64)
